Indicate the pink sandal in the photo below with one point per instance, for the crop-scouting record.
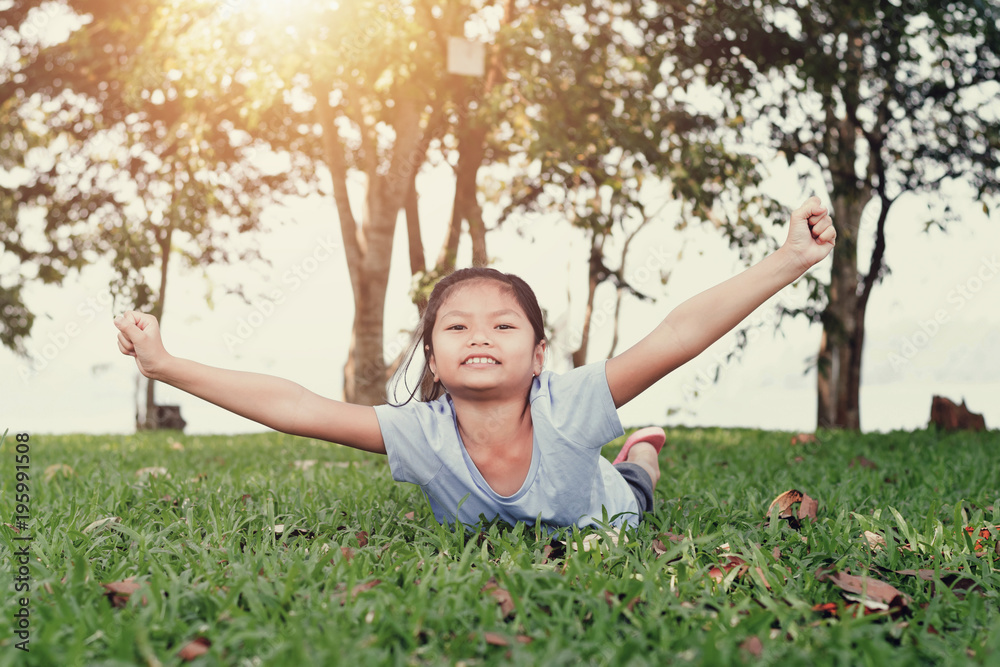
(654, 435)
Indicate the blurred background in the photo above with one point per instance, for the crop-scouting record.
(283, 182)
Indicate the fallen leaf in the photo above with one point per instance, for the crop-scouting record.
(118, 592)
(176, 446)
(347, 553)
(591, 541)
(495, 639)
(874, 540)
(803, 438)
(753, 646)
(362, 538)
(361, 588)
(410, 515)
(194, 648)
(58, 469)
(868, 588)
(807, 507)
(983, 534)
(501, 595)
(728, 563)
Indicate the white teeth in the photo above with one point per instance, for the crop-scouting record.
(480, 360)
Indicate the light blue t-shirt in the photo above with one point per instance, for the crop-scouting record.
(569, 483)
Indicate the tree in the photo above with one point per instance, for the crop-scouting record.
(604, 131)
(887, 98)
(137, 160)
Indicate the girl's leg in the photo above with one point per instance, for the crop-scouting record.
(646, 456)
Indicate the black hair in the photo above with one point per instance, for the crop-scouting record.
(431, 390)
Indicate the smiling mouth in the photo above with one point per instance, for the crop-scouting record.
(488, 361)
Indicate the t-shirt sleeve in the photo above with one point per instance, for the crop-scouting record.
(411, 434)
(581, 406)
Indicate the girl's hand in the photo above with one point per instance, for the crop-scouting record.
(811, 235)
(139, 337)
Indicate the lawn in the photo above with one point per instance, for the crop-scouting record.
(273, 550)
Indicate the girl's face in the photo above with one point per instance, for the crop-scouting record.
(483, 342)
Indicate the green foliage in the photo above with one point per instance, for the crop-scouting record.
(352, 573)
(122, 134)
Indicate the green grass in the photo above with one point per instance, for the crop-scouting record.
(201, 545)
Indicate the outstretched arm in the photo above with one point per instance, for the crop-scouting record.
(279, 404)
(701, 320)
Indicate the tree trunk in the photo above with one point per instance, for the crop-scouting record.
(368, 246)
(597, 274)
(839, 362)
(148, 421)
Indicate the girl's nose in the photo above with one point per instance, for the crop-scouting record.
(480, 336)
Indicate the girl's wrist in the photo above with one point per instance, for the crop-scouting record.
(789, 265)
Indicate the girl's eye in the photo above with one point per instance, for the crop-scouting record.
(504, 326)
(455, 326)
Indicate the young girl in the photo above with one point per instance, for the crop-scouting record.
(497, 436)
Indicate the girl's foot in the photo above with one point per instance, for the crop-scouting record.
(643, 448)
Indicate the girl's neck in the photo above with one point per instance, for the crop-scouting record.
(494, 423)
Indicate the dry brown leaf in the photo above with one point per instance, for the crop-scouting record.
(362, 538)
(803, 438)
(728, 563)
(501, 595)
(361, 588)
(983, 534)
(874, 540)
(410, 515)
(807, 507)
(118, 592)
(494, 639)
(194, 648)
(868, 588)
(753, 646)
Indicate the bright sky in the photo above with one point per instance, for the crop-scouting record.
(933, 325)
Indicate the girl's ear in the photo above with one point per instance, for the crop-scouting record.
(430, 362)
(539, 358)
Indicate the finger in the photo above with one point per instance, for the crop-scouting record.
(829, 235)
(812, 208)
(125, 349)
(127, 324)
(821, 225)
(125, 343)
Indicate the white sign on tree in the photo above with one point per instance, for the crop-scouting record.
(465, 57)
